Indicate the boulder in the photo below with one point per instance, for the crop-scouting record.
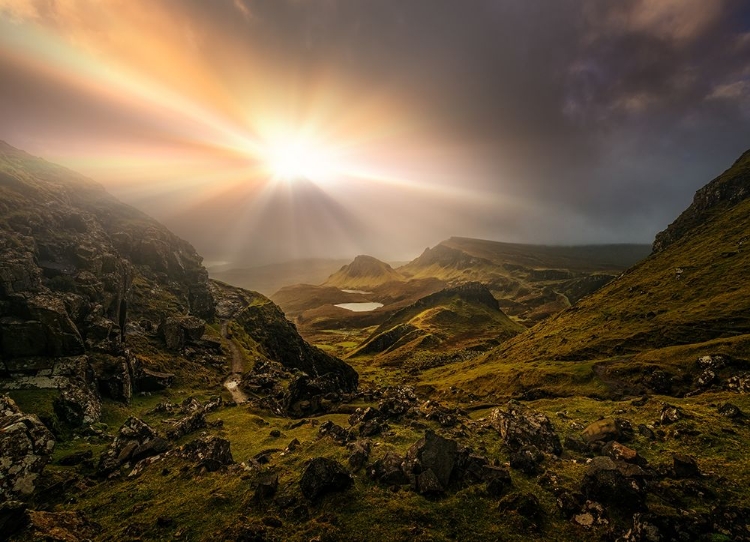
(25, 448)
(13, 517)
(670, 414)
(336, 432)
(359, 453)
(730, 411)
(620, 452)
(525, 505)
(387, 470)
(77, 404)
(435, 454)
(614, 483)
(133, 436)
(520, 426)
(601, 430)
(210, 453)
(685, 466)
(189, 424)
(498, 481)
(323, 475)
(527, 459)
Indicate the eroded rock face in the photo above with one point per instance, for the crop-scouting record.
(25, 448)
(78, 404)
(323, 475)
(520, 426)
(179, 331)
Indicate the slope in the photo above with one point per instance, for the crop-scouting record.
(690, 297)
(461, 317)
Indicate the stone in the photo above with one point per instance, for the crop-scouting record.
(336, 432)
(178, 331)
(685, 466)
(189, 424)
(61, 526)
(359, 452)
(524, 504)
(387, 470)
(78, 405)
(620, 452)
(613, 483)
(148, 380)
(527, 459)
(266, 485)
(132, 435)
(601, 430)
(323, 475)
(670, 414)
(498, 481)
(431, 453)
(25, 449)
(730, 411)
(520, 426)
(13, 517)
(210, 453)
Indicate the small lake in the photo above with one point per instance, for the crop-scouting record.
(360, 307)
(356, 292)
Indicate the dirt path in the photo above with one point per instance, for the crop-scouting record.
(238, 366)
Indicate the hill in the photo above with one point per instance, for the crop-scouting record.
(689, 297)
(363, 272)
(456, 318)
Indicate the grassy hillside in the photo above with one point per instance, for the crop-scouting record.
(693, 291)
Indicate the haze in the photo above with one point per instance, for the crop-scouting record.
(263, 131)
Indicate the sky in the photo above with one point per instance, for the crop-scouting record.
(269, 130)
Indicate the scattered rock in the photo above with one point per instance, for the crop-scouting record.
(336, 432)
(275, 433)
(601, 430)
(685, 466)
(647, 432)
(134, 435)
(670, 414)
(498, 481)
(211, 453)
(323, 475)
(61, 526)
(730, 411)
(359, 453)
(189, 424)
(25, 448)
(520, 426)
(429, 463)
(614, 483)
(524, 504)
(592, 514)
(620, 452)
(387, 470)
(266, 485)
(78, 405)
(527, 459)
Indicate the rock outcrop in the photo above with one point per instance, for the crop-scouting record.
(25, 448)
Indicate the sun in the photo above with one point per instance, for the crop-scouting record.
(296, 158)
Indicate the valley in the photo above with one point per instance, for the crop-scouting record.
(494, 391)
